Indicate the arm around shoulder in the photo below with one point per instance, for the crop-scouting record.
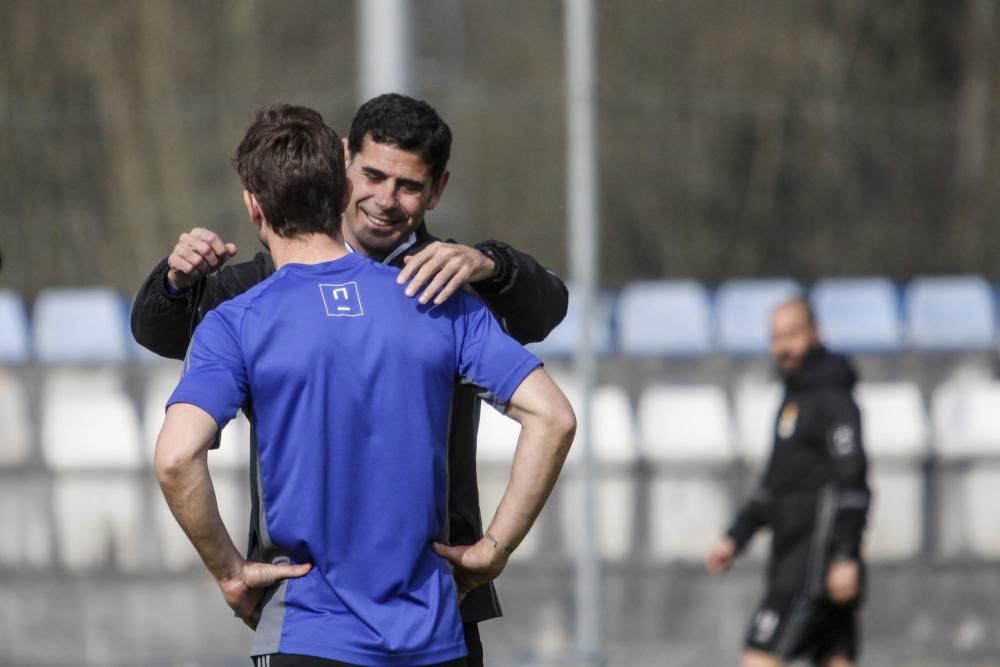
(529, 299)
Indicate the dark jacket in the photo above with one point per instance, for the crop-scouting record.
(526, 298)
(814, 494)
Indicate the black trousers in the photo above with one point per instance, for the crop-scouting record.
(472, 641)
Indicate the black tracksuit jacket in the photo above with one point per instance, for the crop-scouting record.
(526, 298)
(814, 494)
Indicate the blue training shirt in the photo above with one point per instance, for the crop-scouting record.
(348, 383)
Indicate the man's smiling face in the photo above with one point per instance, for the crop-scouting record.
(392, 190)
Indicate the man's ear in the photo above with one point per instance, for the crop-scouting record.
(253, 209)
(438, 190)
(348, 190)
(347, 152)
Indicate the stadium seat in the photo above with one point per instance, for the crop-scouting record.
(88, 425)
(896, 436)
(615, 458)
(967, 442)
(980, 491)
(77, 325)
(15, 421)
(685, 424)
(98, 521)
(964, 416)
(894, 422)
(687, 434)
(670, 318)
(13, 328)
(756, 408)
(950, 314)
(743, 311)
(561, 342)
(858, 315)
(26, 523)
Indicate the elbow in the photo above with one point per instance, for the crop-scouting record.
(564, 426)
(169, 464)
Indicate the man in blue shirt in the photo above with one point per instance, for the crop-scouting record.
(348, 383)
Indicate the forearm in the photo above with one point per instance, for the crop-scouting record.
(748, 520)
(528, 299)
(538, 459)
(188, 490)
(162, 322)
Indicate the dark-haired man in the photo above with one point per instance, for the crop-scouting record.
(352, 422)
(814, 497)
(398, 149)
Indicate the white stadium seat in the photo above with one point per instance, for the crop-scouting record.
(756, 408)
(98, 521)
(89, 429)
(15, 422)
(895, 432)
(687, 433)
(893, 420)
(964, 415)
(25, 521)
(615, 456)
(685, 424)
(966, 427)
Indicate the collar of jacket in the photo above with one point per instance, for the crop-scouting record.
(822, 368)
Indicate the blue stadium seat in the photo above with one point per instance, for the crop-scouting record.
(13, 328)
(950, 314)
(743, 310)
(670, 317)
(80, 325)
(561, 342)
(858, 314)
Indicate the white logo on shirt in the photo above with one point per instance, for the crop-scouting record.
(342, 300)
(765, 623)
(843, 440)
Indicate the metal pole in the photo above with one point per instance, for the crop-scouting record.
(582, 207)
(383, 47)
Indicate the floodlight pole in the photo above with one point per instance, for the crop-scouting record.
(383, 47)
(582, 205)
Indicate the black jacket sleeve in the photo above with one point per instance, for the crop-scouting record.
(750, 518)
(850, 473)
(163, 322)
(527, 299)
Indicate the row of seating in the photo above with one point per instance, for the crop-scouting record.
(683, 318)
(652, 318)
(671, 469)
(88, 419)
(666, 484)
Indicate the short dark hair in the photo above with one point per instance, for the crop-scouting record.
(293, 163)
(406, 123)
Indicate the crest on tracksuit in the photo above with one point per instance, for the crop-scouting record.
(788, 420)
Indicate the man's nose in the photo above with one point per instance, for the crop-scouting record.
(385, 196)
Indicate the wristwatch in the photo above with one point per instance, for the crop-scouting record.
(501, 256)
